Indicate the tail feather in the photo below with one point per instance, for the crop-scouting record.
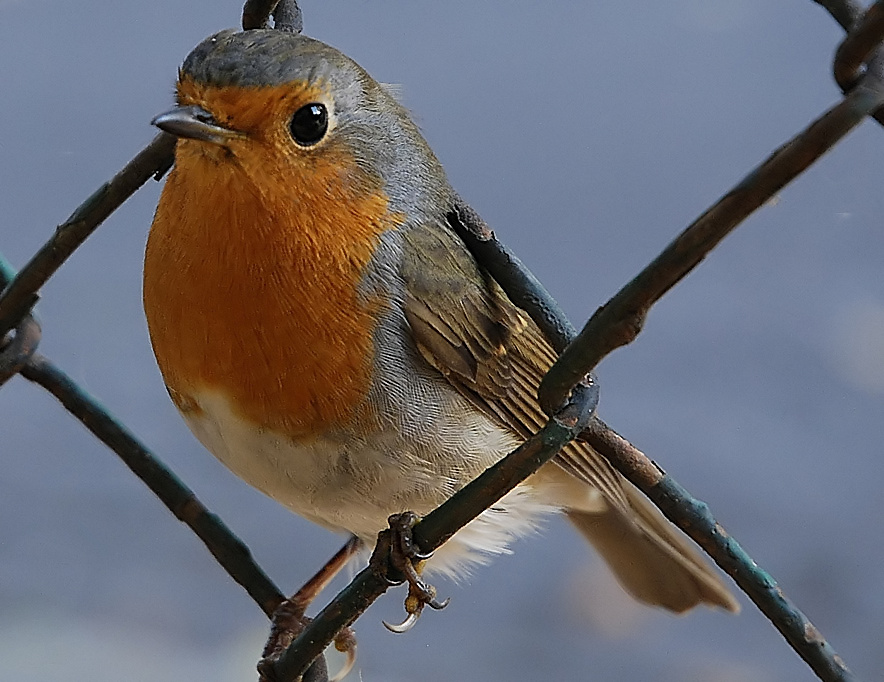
(651, 558)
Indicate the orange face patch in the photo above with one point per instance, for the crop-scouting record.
(254, 261)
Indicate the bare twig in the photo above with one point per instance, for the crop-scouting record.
(695, 519)
(286, 15)
(227, 549)
(523, 288)
(622, 321)
(15, 352)
(21, 295)
(849, 14)
(854, 50)
(619, 321)
(256, 13)
(845, 12)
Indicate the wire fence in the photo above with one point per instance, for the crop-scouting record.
(568, 393)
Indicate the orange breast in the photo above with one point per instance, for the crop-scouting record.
(251, 282)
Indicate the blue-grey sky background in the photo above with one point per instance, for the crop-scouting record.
(588, 134)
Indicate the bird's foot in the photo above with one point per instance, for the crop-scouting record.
(289, 621)
(397, 559)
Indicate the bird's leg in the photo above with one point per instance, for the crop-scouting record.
(397, 559)
(289, 621)
(311, 589)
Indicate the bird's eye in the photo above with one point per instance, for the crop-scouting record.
(309, 124)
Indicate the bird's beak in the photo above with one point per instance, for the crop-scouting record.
(194, 123)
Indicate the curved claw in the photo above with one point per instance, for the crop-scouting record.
(404, 626)
(439, 605)
(348, 664)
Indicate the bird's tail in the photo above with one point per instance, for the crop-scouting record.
(651, 558)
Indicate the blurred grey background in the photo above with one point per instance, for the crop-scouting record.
(587, 134)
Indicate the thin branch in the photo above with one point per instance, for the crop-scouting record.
(845, 12)
(853, 51)
(19, 349)
(848, 14)
(694, 518)
(7, 272)
(692, 515)
(688, 513)
(620, 320)
(524, 289)
(286, 15)
(21, 295)
(256, 13)
(227, 549)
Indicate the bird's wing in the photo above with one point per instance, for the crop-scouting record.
(494, 354)
(491, 351)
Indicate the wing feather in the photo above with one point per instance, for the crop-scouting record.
(492, 353)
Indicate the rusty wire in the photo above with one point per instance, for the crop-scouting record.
(858, 72)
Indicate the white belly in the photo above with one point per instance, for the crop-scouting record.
(352, 484)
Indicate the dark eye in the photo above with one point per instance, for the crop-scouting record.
(309, 124)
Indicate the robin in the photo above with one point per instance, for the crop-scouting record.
(328, 337)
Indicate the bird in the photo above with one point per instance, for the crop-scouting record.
(328, 337)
